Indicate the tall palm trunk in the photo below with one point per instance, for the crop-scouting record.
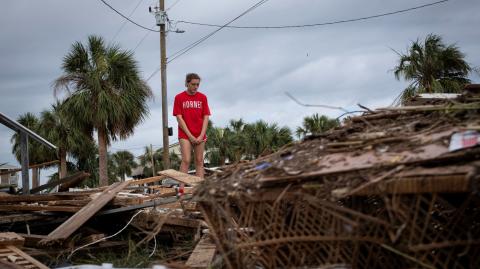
(63, 163)
(35, 179)
(102, 155)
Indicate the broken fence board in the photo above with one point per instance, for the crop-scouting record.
(203, 254)
(181, 177)
(82, 216)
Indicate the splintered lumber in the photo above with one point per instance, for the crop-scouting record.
(347, 162)
(39, 208)
(73, 182)
(181, 177)
(13, 255)
(146, 180)
(82, 216)
(152, 203)
(75, 178)
(37, 197)
(10, 238)
(19, 218)
(202, 255)
(31, 240)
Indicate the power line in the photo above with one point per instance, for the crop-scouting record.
(316, 24)
(173, 5)
(128, 19)
(141, 41)
(125, 22)
(196, 43)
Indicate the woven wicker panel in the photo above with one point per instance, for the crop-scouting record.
(302, 230)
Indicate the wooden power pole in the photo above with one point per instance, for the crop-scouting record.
(163, 76)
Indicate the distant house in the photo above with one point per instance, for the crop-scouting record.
(6, 177)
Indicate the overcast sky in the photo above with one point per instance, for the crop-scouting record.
(245, 72)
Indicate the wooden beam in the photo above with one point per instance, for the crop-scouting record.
(82, 216)
(181, 177)
(146, 180)
(203, 254)
(39, 208)
(40, 197)
(31, 240)
(12, 239)
(20, 218)
(66, 180)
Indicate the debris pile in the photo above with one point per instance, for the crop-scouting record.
(57, 225)
(393, 188)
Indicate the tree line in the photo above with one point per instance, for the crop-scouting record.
(105, 99)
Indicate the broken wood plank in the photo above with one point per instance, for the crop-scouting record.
(146, 180)
(181, 177)
(153, 203)
(73, 182)
(31, 240)
(84, 214)
(348, 162)
(38, 197)
(203, 254)
(10, 238)
(20, 218)
(20, 257)
(66, 180)
(39, 208)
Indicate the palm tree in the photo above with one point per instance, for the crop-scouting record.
(432, 67)
(107, 94)
(59, 131)
(124, 163)
(262, 138)
(315, 124)
(221, 145)
(37, 153)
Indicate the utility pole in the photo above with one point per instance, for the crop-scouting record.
(163, 76)
(161, 20)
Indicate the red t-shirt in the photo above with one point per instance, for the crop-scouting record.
(192, 108)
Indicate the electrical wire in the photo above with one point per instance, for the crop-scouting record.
(127, 18)
(141, 41)
(125, 22)
(173, 5)
(104, 238)
(316, 24)
(196, 43)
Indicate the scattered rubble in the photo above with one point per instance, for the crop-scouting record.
(385, 190)
(49, 231)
